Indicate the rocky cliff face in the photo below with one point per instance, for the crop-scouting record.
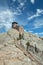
(13, 50)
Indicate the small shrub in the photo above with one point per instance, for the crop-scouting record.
(36, 49)
(20, 36)
(28, 43)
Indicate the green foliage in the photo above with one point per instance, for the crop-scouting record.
(20, 37)
(28, 43)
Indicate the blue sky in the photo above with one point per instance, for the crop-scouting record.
(28, 13)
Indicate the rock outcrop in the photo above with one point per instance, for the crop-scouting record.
(13, 50)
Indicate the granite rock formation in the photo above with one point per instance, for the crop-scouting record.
(13, 50)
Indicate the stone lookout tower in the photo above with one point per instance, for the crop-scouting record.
(14, 25)
(18, 28)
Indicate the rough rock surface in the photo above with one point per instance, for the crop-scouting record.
(10, 54)
(33, 39)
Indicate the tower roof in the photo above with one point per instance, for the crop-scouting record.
(14, 23)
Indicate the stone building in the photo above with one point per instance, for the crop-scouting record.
(14, 25)
(18, 28)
